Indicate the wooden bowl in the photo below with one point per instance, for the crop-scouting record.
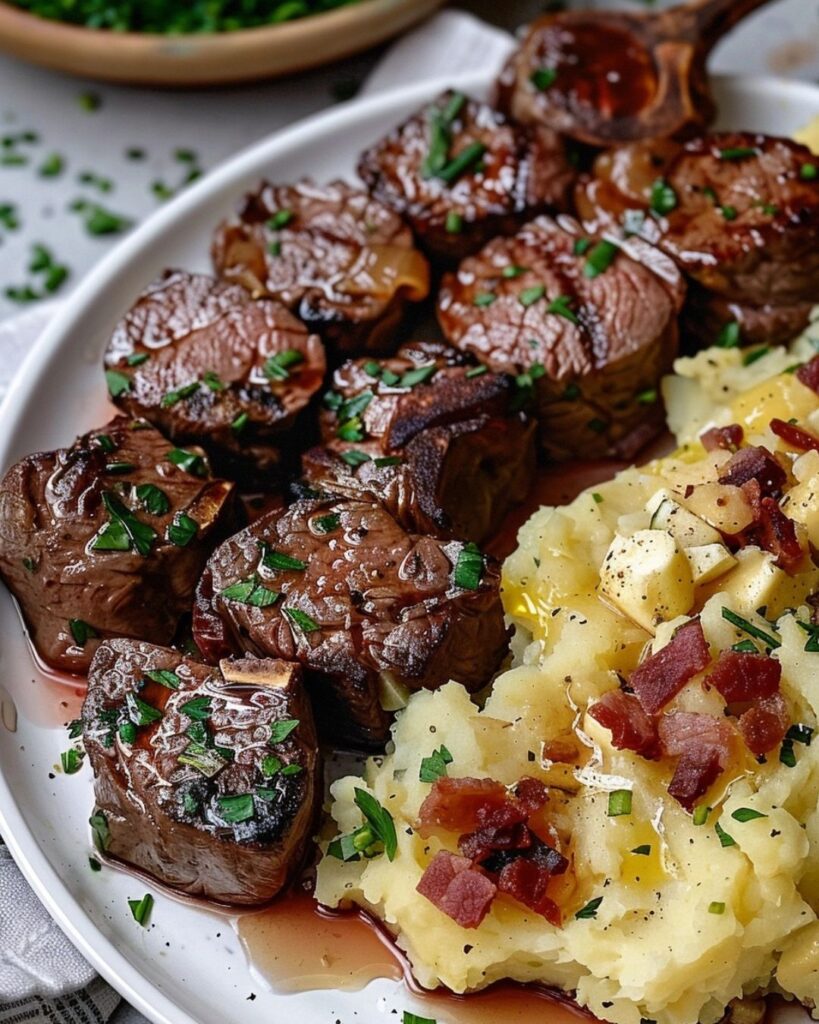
(208, 59)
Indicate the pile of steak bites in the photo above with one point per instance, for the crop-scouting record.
(221, 642)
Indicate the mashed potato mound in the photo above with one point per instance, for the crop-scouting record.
(696, 922)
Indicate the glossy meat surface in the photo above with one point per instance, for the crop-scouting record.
(341, 261)
(516, 173)
(588, 327)
(108, 538)
(370, 611)
(208, 365)
(208, 779)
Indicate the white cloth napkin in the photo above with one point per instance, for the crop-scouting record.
(42, 977)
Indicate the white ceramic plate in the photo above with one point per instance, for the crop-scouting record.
(189, 966)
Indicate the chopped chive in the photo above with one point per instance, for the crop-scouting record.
(236, 809)
(280, 219)
(729, 335)
(81, 631)
(118, 383)
(619, 803)
(387, 460)
(729, 212)
(647, 397)
(511, 270)
(716, 907)
(302, 620)
(71, 760)
(738, 152)
(757, 353)
(279, 731)
(529, 296)
(291, 769)
(141, 909)
(663, 198)
(581, 246)
(483, 299)
(454, 223)
(701, 813)
(745, 647)
(420, 375)
(354, 458)
(543, 78)
(278, 366)
(172, 397)
(182, 530)
(600, 258)
(462, 163)
(238, 424)
(561, 306)
(52, 166)
(744, 814)
(212, 380)
(327, 523)
(138, 358)
(589, 911)
(468, 568)
(748, 627)
(477, 371)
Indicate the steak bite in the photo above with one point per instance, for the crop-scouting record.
(370, 611)
(441, 442)
(738, 212)
(208, 365)
(340, 260)
(460, 173)
(108, 538)
(588, 328)
(208, 779)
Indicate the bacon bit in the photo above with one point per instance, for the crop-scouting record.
(461, 805)
(561, 751)
(796, 437)
(726, 438)
(457, 889)
(532, 794)
(777, 533)
(763, 726)
(480, 845)
(755, 463)
(703, 744)
(527, 882)
(664, 674)
(631, 728)
(809, 374)
(742, 676)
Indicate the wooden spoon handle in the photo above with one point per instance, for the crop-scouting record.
(705, 22)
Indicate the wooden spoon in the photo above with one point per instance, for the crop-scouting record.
(609, 77)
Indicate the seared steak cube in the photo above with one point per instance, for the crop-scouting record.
(208, 365)
(108, 538)
(444, 445)
(208, 779)
(370, 611)
(587, 327)
(738, 212)
(461, 173)
(341, 261)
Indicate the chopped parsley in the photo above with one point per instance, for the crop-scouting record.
(561, 306)
(327, 523)
(642, 851)
(172, 397)
(376, 835)
(724, 839)
(435, 766)
(153, 500)
(197, 708)
(280, 562)
(483, 299)
(529, 296)
(729, 335)
(454, 223)
(190, 462)
(420, 375)
(118, 383)
(165, 677)
(123, 531)
(543, 78)
(280, 219)
(744, 814)
(140, 712)
(663, 198)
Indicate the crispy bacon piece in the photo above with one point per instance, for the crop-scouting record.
(704, 746)
(664, 674)
(531, 794)
(527, 882)
(457, 889)
(764, 725)
(741, 676)
(796, 437)
(754, 463)
(485, 843)
(726, 438)
(463, 805)
(809, 374)
(631, 728)
(561, 751)
(776, 533)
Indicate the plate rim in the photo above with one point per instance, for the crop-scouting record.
(54, 893)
